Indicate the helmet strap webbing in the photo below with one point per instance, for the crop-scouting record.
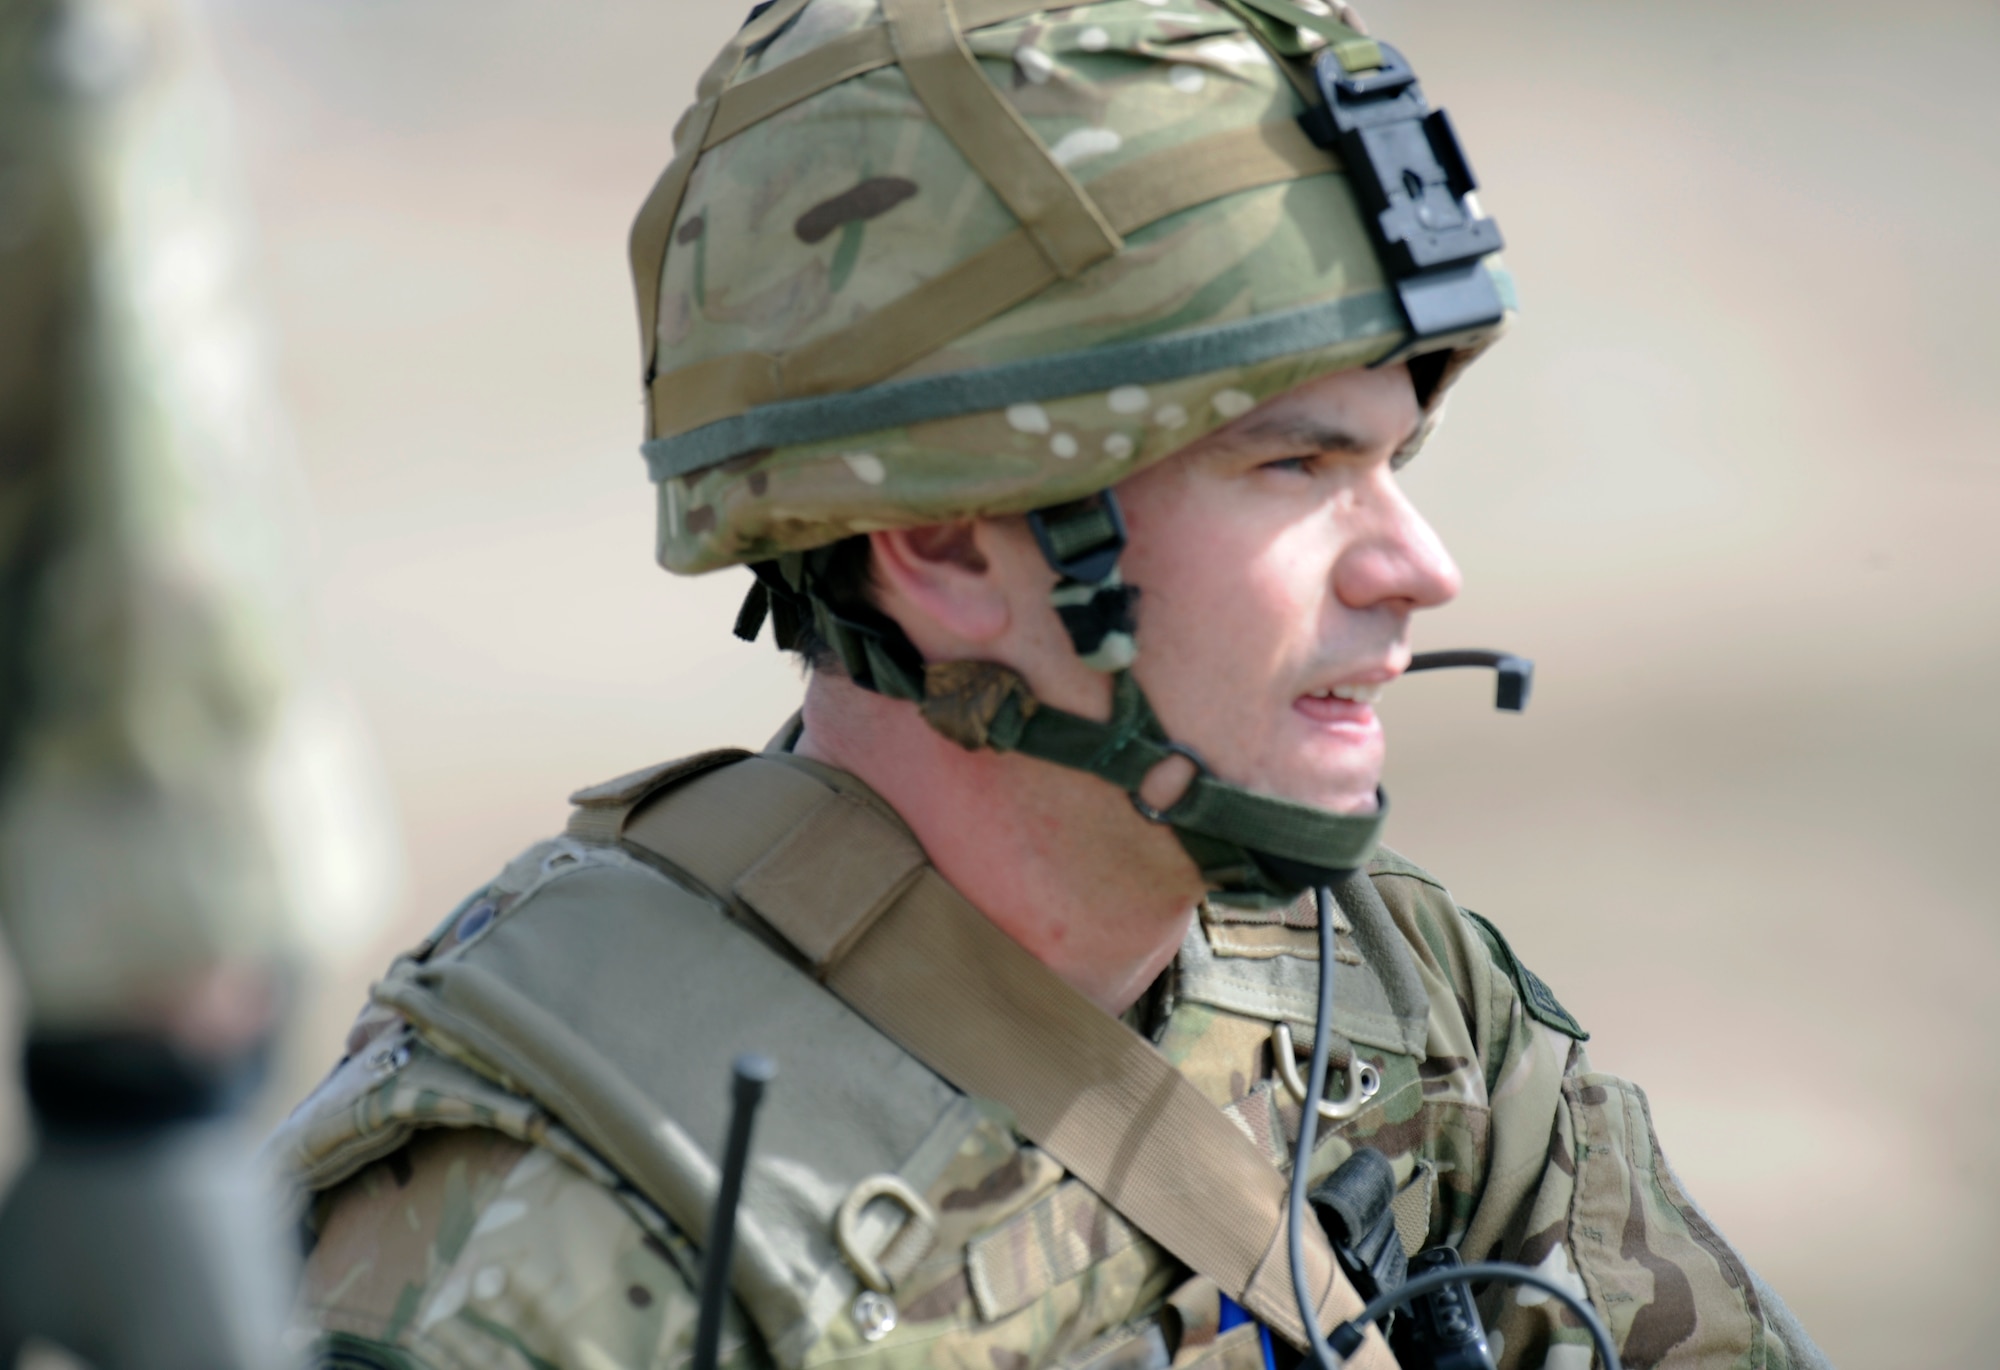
(1245, 843)
(1082, 541)
(1249, 846)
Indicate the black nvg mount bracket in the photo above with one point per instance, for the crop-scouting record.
(1404, 161)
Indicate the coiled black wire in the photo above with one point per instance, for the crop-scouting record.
(1350, 1333)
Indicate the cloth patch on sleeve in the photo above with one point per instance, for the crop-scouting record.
(1536, 997)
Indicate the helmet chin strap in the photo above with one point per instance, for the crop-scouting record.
(1250, 847)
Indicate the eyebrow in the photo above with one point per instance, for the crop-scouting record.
(1306, 434)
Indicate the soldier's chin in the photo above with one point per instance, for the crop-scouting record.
(1341, 776)
(1350, 789)
(1354, 801)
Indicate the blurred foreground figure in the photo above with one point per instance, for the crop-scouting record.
(1050, 369)
(171, 803)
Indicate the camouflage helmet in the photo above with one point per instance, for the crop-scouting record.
(926, 260)
(918, 262)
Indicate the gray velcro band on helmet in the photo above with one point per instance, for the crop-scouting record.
(1150, 361)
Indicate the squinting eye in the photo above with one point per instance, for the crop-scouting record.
(1300, 464)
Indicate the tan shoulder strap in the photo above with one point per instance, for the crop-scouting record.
(601, 809)
(848, 887)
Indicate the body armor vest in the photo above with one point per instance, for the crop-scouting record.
(591, 1000)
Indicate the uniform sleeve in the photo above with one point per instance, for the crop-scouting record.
(469, 1249)
(1575, 1183)
(1608, 1217)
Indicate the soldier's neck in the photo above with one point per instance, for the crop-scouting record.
(1057, 859)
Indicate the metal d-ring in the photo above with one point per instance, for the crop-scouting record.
(906, 1246)
(1201, 771)
(1364, 1081)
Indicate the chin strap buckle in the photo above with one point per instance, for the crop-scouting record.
(1082, 541)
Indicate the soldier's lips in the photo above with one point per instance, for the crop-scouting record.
(1343, 708)
(1344, 704)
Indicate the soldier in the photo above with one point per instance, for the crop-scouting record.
(1051, 370)
(163, 840)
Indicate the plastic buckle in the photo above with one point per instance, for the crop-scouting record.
(1406, 165)
(1081, 540)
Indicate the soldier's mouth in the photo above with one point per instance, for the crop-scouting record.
(1355, 694)
(1343, 708)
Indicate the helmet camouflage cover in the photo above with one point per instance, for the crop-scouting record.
(918, 262)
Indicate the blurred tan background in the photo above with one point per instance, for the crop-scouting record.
(1733, 483)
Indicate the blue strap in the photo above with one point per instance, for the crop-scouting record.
(1235, 1315)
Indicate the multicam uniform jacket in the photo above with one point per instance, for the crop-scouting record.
(491, 1237)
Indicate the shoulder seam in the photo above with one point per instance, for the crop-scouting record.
(1386, 863)
(1538, 1001)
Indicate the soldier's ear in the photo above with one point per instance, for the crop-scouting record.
(956, 543)
(939, 583)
